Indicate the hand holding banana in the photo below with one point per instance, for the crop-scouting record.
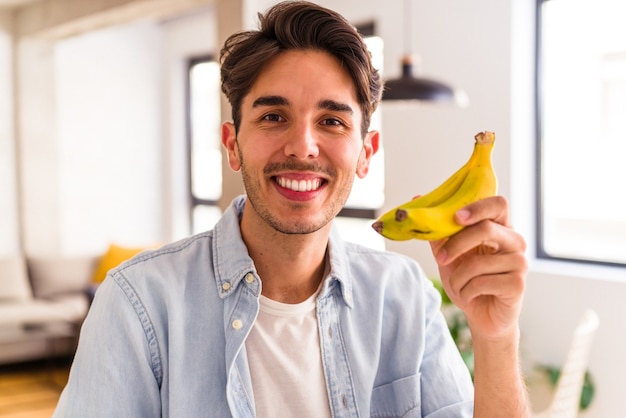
(487, 287)
(431, 216)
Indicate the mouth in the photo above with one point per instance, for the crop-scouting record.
(299, 185)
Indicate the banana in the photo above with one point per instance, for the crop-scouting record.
(431, 216)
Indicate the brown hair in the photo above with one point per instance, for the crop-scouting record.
(298, 25)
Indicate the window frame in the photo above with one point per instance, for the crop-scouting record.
(540, 223)
(193, 200)
(539, 192)
(365, 29)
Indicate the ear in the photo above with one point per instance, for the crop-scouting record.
(229, 140)
(370, 147)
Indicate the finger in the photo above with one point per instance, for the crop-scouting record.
(436, 246)
(507, 289)
(501, 275)
(477, 265)
(486, 237)
(495, 208)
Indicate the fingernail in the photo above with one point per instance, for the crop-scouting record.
(463, 214)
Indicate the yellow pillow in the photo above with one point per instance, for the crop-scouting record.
(112, 258)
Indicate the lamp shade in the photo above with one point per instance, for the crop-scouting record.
(409, 87)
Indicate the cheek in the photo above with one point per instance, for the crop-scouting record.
(256, 154)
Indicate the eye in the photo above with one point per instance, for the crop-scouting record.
(272, 117)
(332, 122)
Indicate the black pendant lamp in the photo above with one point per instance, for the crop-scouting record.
(410, 87)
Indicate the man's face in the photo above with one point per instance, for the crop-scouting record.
(299, 143)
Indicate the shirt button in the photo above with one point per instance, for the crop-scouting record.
(237, 324)
(249, 278)
(226, 286)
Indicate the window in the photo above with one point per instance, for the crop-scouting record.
(582, 130)
(204, 143)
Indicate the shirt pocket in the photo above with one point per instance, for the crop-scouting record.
(400, 398)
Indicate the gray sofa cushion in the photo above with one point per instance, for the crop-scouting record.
(14, 285)
(53, 277)
(69, 309)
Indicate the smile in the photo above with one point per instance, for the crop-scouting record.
(299, 185)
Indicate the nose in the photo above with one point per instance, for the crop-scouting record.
(301, 142)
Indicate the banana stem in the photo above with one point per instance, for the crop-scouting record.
(485, 137)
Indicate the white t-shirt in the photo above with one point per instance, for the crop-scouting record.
(285, 361)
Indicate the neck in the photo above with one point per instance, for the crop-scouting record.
(291, 266)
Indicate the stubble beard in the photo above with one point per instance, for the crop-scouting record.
(299, 226)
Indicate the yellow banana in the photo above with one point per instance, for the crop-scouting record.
(445, 189)
(431, 216)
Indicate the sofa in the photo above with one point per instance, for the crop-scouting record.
(44, 300)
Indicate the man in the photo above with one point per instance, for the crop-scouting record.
(271, 314)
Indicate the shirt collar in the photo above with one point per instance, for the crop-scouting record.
(231, 261)
(233, 264)
(339, 267)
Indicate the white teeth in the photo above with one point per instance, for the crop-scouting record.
(299, 185)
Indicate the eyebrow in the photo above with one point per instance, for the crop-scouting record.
(270, 101)
(327, 104)
(335, 106)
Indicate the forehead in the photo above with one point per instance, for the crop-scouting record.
(304, 76)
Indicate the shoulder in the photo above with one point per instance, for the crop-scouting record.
(167, 270)
(196, 251)
(183, 254)
(160, 282)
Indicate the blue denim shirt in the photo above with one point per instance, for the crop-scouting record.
(165, 335)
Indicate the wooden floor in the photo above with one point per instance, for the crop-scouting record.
(31, 390)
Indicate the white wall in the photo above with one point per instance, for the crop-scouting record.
(90, 151)
(38, 147)
(9, 243)
(110, 147)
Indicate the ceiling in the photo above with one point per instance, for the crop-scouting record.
(55, 19)
(12, 4)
